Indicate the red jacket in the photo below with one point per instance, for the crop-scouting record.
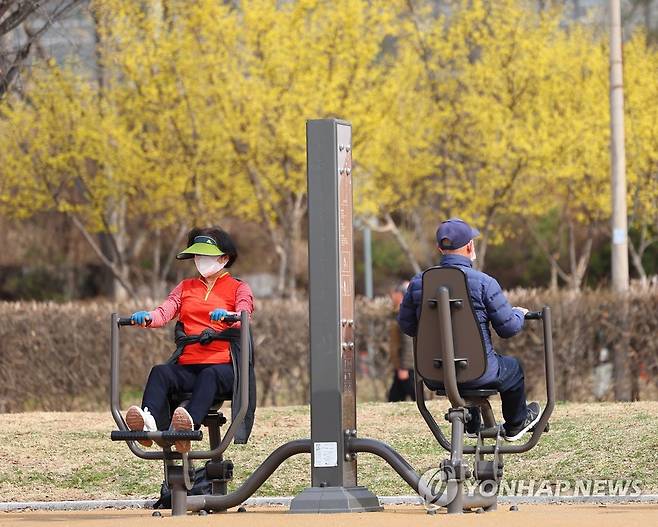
(192, 301)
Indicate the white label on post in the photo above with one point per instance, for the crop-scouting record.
(325, 454)
(618, 236)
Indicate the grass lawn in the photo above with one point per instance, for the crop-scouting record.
(63, 456)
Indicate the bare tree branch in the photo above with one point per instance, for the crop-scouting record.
(391, 226)
(99, 252)
(547, 253)
(13, 13)
(174, 250)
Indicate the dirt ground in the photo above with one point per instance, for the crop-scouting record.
(626, 515)
(54, 456)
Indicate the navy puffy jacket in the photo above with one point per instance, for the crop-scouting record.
(489, 303)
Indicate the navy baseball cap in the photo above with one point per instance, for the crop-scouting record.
(455, 233)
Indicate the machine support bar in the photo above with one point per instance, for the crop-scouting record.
(448, 349)
(411, 477)
(253, 482)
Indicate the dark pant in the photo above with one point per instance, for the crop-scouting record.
(400, 389)
(511, 385)
(203, 380)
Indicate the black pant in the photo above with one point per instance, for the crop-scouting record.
(511, 385)
(203, 380)
(400, 389)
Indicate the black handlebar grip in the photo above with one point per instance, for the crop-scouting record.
(230, 318)
(534, 315)
(173, 435)
(123, 321)
(128, 435)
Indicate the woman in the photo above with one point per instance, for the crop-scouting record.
(198, 303)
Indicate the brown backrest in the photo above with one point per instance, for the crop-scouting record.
(466, 333)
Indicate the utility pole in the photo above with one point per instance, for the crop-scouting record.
(619, 215)
(623, 381)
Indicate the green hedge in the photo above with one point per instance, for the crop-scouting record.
(56, 356)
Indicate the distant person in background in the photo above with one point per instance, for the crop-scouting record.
(401, 353)
(454, 239)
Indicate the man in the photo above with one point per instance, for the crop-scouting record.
(401, 353)
(505, 374)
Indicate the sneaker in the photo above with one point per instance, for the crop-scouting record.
(182, 420)
(514, 433)
(141, 420)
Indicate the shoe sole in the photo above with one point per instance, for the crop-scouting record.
(135, 422)
(520, 434)
(182, 421)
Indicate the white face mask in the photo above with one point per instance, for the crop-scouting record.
(473, 256)
(208, 265)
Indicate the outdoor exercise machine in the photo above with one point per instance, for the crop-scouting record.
(180, 476)
(448, 350)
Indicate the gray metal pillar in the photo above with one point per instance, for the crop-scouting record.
(331, 310)
(367, 261)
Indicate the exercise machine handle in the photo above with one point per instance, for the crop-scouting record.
(231, 317)
(549, 375)
(534, 315)
(243, 389)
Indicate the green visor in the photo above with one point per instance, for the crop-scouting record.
(203, 246)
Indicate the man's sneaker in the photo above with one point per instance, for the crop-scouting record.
(514, 433)
(182, 420)
(141, 420)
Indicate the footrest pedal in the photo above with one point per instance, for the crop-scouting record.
(163, 435)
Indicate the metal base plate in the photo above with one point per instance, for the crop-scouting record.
(335, 499)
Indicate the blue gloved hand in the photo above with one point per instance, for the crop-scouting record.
(217, 314)
(141, 318)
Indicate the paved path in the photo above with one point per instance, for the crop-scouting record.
(626, 515)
